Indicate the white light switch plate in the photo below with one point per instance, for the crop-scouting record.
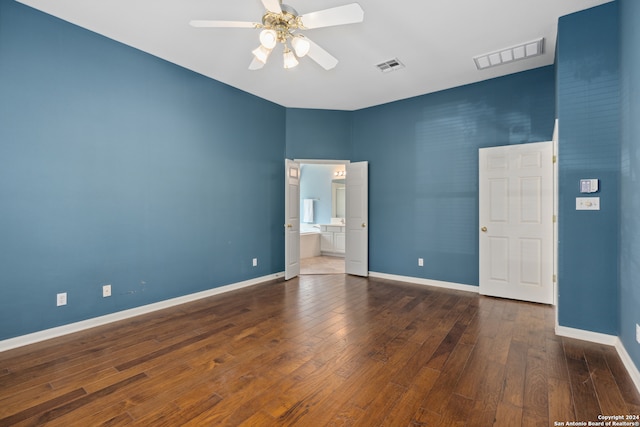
(587, 203)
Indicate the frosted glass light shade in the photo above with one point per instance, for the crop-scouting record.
(268, 39)
(261, 53)
(290, 60)
(301, 46)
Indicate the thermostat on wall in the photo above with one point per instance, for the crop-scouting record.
(588, 185)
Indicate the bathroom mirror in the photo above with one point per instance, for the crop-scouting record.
(338, 202)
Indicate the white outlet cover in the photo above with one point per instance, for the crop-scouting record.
(61, 299)
(255, 262)
(106, 291)
(420, 262)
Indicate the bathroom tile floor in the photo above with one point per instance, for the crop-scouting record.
(322, 265)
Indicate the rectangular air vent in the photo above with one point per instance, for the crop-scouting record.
(510, 54)
(390, 65)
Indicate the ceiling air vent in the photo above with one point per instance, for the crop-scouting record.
(390, 65)
(510, 54)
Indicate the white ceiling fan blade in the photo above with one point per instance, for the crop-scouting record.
(321, 56)
(256, 64)
(272, 5)
(222, 24)
(347, 14)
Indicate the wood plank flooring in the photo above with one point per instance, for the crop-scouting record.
(330, 350)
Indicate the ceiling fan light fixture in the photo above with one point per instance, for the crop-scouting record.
(301, 46)
(279, 25)
(268, 38)
(261, 53)
(289, 58)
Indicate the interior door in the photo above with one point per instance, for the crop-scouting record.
(516, 221)
(292, 219)
(357, 219)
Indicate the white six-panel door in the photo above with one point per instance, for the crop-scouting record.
(292, 220)
(516, 221)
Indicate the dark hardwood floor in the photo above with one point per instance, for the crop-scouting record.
(320, 350)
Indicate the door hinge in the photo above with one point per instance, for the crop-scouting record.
(555, 279)
(555, 159)
(554, 219)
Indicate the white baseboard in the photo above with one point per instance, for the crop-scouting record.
(46, 334)
(605, 339)
(628, 363)
(583, 335)
(425, 282)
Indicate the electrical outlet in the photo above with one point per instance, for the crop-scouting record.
(638, 333)
(61, 299)
(420, 262)
(106, 291)
(255, 262)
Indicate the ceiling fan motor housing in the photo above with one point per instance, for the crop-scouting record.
(283, 23)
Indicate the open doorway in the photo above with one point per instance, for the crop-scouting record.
(351, 232)
(322, 216)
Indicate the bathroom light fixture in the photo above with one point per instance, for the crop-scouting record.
(340, 174)
(510, 54)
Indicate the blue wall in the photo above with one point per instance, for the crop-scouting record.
(318, 134)
(589, 147)
(315, 183)
(630, 168)
(117, 167)
(423, 169)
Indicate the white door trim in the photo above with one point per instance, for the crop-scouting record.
(330, 162)
(302, 162)
(556, 201)
(321, 162)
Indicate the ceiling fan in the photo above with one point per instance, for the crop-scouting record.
(279, 25)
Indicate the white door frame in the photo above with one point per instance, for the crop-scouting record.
(556, 201)
(322, 162)
(302, 162)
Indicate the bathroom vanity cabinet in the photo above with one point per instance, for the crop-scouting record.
(332, 240)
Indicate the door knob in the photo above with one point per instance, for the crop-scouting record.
(364, 225)
(484, 229)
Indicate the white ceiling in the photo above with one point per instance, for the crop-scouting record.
(436, 40)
